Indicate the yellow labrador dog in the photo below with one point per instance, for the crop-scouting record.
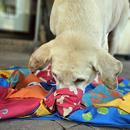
(80, 49)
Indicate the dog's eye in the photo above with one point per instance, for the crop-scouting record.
(79, 81)
(117, 73)
(55, 75)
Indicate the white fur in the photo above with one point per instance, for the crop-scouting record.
(80, 49)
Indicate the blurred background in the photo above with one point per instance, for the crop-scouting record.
(24, 25)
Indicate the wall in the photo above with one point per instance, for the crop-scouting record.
(19, 21)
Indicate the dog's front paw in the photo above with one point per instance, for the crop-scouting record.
(40, 57)
(35, 61)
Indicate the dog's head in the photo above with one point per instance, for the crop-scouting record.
(76, 61)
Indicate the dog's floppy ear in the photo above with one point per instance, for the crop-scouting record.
(108, 67)
(41, 57)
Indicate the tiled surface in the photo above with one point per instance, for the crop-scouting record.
(13, 58)
(126, 69)
(30, 125)
(13, 45)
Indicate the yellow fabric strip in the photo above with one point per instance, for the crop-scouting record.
(6, 73)
(123, 103)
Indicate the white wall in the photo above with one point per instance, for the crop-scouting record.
(18, 22)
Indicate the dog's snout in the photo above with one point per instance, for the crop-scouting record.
(64, 84)
(60, 85)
